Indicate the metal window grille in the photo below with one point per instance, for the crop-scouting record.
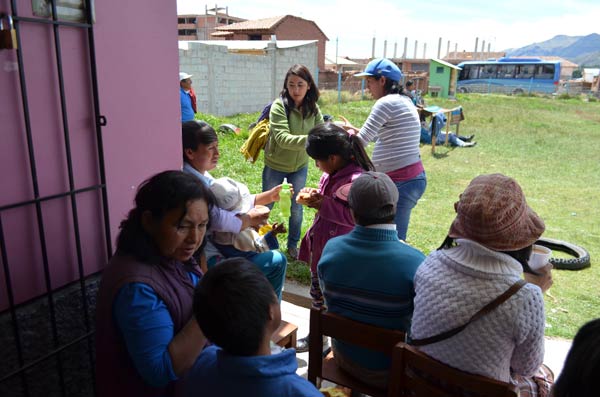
(68, 359)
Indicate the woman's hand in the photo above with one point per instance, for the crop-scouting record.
(254, 218)
(543, 280)
(310, 197)
(347, 126)
(271, 195)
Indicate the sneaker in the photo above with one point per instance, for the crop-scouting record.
(302, 344)
(293, 252)
(469, 138)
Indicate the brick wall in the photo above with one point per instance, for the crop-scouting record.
(301, 29)
(231, 83)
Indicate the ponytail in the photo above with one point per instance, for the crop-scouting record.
(359, 154)
(329, 139)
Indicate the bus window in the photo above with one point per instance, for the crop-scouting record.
(544, 72)
(506, 71)
(523, 71)
(488, 71)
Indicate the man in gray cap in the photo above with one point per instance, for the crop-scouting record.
(367, 274)
(187, 97)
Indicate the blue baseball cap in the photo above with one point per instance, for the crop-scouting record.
(382, 67)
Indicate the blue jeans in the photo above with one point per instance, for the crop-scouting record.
(272, 263)
(410, 192)
(272, 178)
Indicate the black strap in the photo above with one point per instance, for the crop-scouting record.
(482, 312)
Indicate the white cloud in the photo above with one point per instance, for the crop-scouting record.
(508, 24)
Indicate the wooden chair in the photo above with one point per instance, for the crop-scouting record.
(285, 335)
(419, 375)
(341, 328)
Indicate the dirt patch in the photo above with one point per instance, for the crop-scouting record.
(588, 116)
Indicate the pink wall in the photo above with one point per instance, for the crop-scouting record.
(137, 64)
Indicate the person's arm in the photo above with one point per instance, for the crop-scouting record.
(280, 128)
(543, 279)
(269, 196)
(227, 221)
(186, 346)
(528, 354)
(148, 332)
(376, 119)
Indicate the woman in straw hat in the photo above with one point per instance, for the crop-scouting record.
(484, 255)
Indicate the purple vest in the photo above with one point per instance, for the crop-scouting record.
(115, 373)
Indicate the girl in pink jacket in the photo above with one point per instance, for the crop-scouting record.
(342, 158)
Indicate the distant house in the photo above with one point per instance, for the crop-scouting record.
(413, 65)
(202, 26)
(341, 64)
(287, 27)
(442, 78)
(589, 74)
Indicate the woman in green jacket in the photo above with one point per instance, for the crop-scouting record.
(292, 115)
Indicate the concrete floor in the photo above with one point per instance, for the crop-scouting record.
(556, 349)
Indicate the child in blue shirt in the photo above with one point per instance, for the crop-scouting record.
(237, 309)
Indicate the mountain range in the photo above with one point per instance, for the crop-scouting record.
(582, 50)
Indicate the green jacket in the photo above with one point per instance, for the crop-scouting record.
(285, 150)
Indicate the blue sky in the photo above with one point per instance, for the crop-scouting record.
(502, 24)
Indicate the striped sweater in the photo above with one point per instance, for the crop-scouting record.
(394, 124)
(367, 275)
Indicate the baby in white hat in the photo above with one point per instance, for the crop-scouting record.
(235, 197)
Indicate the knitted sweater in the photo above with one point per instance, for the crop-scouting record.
(452, 285)
(394, 123)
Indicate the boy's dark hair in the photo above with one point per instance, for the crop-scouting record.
(231, 306)
(159, 194)
(364, 221)
(328, 139)
(581, 371)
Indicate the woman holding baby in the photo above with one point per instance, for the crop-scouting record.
(201, 155)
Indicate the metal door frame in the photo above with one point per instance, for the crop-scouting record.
(72, 193)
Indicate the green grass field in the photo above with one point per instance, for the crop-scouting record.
(551, 146)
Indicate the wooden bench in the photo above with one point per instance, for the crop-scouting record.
(285, 335)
